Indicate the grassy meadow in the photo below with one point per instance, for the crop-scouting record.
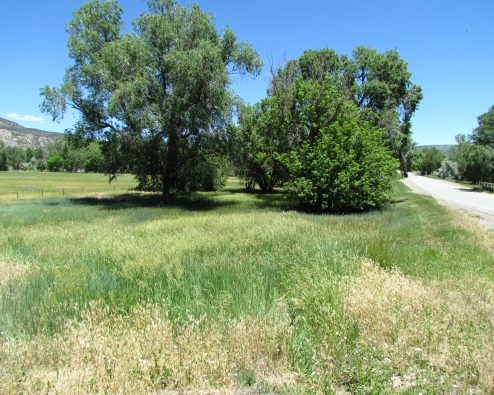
(22, 185)
(103, 290)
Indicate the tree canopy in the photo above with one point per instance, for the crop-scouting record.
(157, 96)
(308, 94)
(484, 133)
(313, 136)
(379, 84)
(431, 160)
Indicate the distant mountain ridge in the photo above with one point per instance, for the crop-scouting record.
(15, 135)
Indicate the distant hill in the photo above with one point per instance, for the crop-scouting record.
(15, 135)
(445, 149)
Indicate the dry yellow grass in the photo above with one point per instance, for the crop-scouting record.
(143, 353)
(484, 236)
(446, 327)
(11, 271)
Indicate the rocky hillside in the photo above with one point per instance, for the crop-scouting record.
(15, 135)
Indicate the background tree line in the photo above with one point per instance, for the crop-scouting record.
(331, 132)
(472, 159)
(62, 155)
(19, 158)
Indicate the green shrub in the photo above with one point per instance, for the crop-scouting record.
(448, 169)
(475, 162)
(55, 163)
(347, 168)
(265, 133)
(431, 160)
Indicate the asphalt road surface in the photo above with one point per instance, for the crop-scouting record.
(478, 204)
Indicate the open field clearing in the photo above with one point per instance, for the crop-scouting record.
(228, 291)
(18, 185)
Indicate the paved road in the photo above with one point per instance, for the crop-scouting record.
(480, 204)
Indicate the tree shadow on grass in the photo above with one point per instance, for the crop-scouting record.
(192, 202)
(394, 202)
(273, 201)
(279, 201)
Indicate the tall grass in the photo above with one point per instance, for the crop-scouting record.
(229, 290)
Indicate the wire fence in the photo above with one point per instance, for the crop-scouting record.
(487, 185)
(54, 191)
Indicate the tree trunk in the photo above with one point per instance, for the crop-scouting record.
(405, 132)
(169, 172)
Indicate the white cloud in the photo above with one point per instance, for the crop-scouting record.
(25, 118)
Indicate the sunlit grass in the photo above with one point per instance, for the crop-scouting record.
(110, 292)
(22, 185)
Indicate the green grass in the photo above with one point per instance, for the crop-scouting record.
(21, 185)
(225, 258)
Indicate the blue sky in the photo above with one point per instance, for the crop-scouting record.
(448, 47)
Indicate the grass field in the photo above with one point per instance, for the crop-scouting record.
(17, 185)
(104, 291)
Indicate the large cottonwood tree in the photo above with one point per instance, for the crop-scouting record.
(154, 94)
(379, 84)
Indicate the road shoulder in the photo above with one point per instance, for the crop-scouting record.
(484, 218)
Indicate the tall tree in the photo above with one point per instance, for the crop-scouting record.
(378, 83)
(484, 133)
(3, 158)
(157, 92)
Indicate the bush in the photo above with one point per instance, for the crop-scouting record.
(347, 168)
(264, 135)
(94, 161)
(54, 162)
(201, 173)
(475, 162)
(448, 169)
(431, 160)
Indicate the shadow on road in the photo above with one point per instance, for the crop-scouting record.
(468, 190)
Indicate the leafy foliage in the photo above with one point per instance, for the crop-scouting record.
(76, 155)
(326, 132)
(475, 162)
(484, 133)
(448, 169)
(431, 160)
(18, 158)
(3, 158)
(414, 159)
(379, 84)
(160, 88)
(267, 132)
(475, 154)
(346, 168)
